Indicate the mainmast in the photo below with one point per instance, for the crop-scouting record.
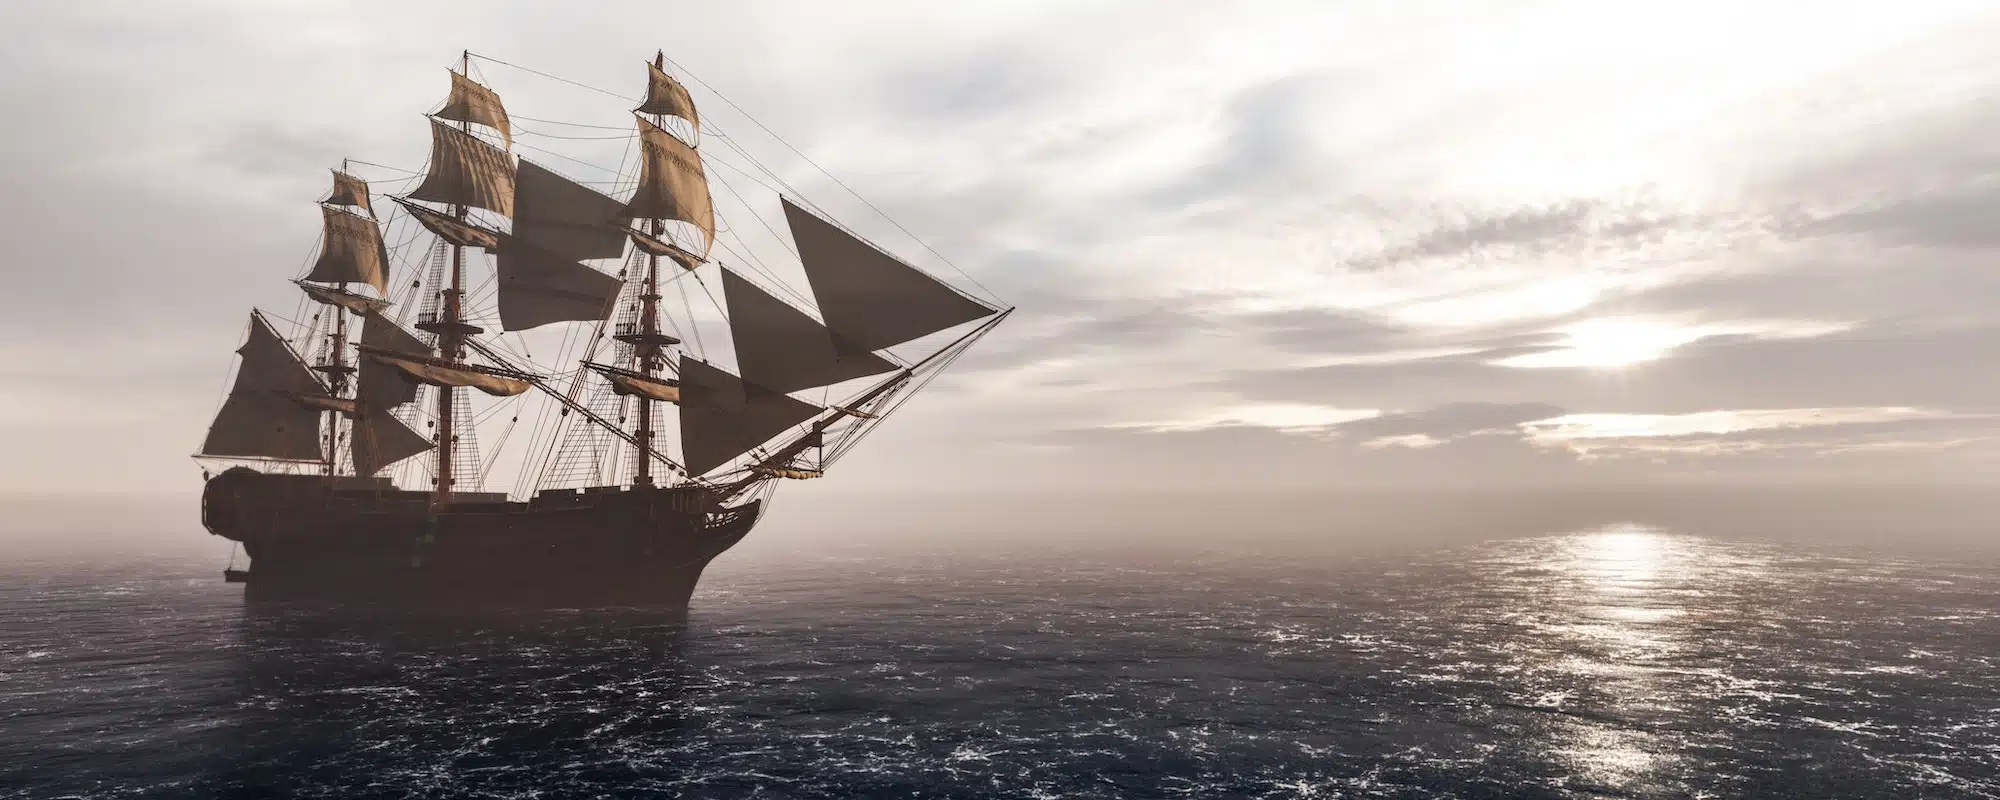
(451, 330)
(648, 344)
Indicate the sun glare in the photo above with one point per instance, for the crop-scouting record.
(1611, 343)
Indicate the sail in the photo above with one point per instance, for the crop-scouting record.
(437, 372)
(260, 418)
(627, 382)
(565, 217)
(538, 287)
(349, 191)
(671, 183)
(788, 472)
(868, 297)
(450, 229)
(352, 252)
(380, 439)
(378, 385)
(654, 246)
(359, 304)
(471, 102)
(664, 95)
(779, 347)
(723, 416)
(320, 401)
(467, 171)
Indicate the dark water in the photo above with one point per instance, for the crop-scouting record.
(1622, 662)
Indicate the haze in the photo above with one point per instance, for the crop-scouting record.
(1294, 248)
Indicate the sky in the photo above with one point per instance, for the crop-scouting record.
(1273, 245)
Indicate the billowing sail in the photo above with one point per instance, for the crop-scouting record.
(538, 287)
(359, 304)
(352, 252)
(723, 417)
(349, 191)
(471, 102)
(671, 183)
(380, 439)
(438, 372)
(654, 246)
(450, 229)
(779, 347)
(260, 419)
(627, 382)
(664, 95)
(467, 171)
(870, 299)
(378, 385)
(565, 217)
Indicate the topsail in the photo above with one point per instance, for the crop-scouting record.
(672, 184)
(467, 171)
(353, 251)
(471, 102)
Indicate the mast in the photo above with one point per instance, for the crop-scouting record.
(649, 346)
(451, 332)
(336, 377)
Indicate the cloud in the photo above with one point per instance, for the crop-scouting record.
(1738, 431)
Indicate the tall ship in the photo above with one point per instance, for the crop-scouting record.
(354, 455)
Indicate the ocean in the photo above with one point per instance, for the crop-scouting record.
(1620, 660)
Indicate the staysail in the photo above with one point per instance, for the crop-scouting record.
(260, 419)
(538, 287)
(380, 439)
(467, 171)
(353, 251)
(565, 217)
(779, 347)
(672, 184)
(378, 385)
(870, 299)
(723, 416)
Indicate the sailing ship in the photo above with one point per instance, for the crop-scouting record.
(348, 450)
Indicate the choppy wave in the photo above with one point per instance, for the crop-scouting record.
(1624, 662)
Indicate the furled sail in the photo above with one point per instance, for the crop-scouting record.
(378, 385)
(260, 418)
(353, 251)
(788, 472)
(359, 304)
(565, 217)
(654, 246)
(779, 347)
(671, 183)
(627, 382)
(349, 191)
(450, 229)
(380, 439)
(723, 416)
(471, 102)
(868, 297)
(320, 401)
(664, 95)
(538, 287)
(438, 372)
(467, 171)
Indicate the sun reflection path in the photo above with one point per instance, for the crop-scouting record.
(1617, 617)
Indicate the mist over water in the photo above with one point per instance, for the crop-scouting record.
(1460, 650)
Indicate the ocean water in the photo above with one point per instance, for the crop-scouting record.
(1621, 661)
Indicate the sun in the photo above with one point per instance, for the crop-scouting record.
(1612, 343)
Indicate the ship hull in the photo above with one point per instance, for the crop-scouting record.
(358, 540)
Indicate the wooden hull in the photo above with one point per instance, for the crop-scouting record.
(345, 539)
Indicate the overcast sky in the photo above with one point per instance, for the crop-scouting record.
(1300, 245)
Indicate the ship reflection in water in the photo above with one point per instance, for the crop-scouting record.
(1624, 661)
